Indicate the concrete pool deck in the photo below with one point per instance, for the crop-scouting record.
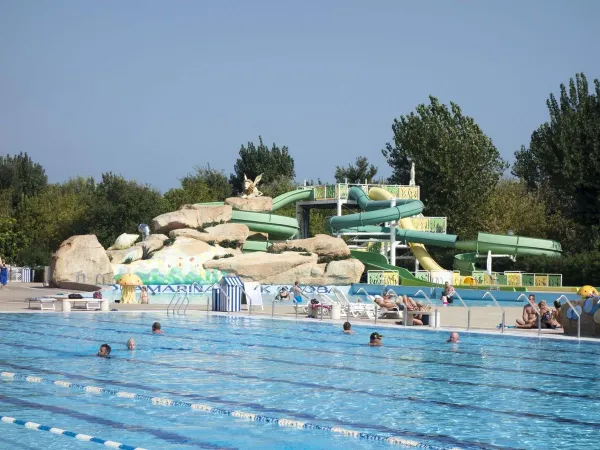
(13, 299)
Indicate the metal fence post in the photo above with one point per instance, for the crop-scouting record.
(273, 309)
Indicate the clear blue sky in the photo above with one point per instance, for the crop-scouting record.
(149, 89)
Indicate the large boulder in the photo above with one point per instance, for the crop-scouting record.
(122, 256)
(191, 216)
(261, 266)
(322, 244)
(124, 241)
(228, 231)
(80, 259)
(216, 234)
(257, 204)
(153, 243)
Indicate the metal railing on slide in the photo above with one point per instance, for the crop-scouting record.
(503, 323)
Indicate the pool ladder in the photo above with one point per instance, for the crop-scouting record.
(179, 300)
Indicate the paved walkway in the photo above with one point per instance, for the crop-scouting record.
(484, 318)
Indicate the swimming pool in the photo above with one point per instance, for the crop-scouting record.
(222, 381)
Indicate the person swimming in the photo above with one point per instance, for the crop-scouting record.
(131, 344)
(454, 338)
(104, 351)
(156, 328)
(347, 328)
(375, 340)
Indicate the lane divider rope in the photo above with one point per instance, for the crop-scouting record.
(61, 432)
(282, 422)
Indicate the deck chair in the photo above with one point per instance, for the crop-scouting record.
(358, 309)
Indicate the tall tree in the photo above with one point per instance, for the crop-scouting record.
(52, 216)
(22, 176)
(274, 163)
(563, 157)
(358, 172)
(120, 205)
(457, 165)
(205, 185)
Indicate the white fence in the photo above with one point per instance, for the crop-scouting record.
(20, 274)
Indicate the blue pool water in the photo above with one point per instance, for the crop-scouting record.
(490, 392)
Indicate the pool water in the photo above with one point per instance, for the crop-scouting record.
(242, 374)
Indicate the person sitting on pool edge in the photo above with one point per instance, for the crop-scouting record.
(156, 328)
(131, 344)
(347, 328)
(104, 351)
(530, 315)
(454, 338)
(375, 340)
(548, 316)
(448, 294)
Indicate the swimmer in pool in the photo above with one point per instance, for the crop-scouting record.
(375, 340)
(104, 351)
(131, 344)
(347, 328)
(454, 338)
(156, 328)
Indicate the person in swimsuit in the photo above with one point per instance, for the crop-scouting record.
(104, 351)
(131, 344)
(448, 294)
(388, 302)
(144, 300)
(156, 329)
(347, 328)
(547, 316)
(283, 294)
(411, 305)
(297, 292)
(3, 276)
(454, 338)
(375, 340)
(530, 315)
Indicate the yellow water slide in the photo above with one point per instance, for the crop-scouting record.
(419, 250)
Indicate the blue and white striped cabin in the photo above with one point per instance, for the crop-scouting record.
(232, 299)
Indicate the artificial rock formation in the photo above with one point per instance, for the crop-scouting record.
(590, 323)
(191, 216)
(256, 204)
(322, 244)
(288, 267)
(80, 259)
(216, 234)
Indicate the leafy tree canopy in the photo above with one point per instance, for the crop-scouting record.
(120, 205)
(457, 165)
(563, 158)
(274, 163)
(205, 185)
(22, 176)
(358, 172)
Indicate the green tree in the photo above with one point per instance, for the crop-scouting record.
(510, 206)
(274, 163)
(562, 161)
(12, 240)
(205, 185)
(119, 206)
(49, 218)
(358, 172)
(22, 176)
(278, 186)
(458, 164)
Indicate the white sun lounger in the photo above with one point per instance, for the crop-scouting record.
(46, 303)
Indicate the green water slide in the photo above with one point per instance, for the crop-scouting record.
(278, 227)
(376, 261)
(501, 244)
(377, 212)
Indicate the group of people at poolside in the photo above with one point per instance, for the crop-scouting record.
(398, 303)
(375, 338)
(549, 318)
(105, 349)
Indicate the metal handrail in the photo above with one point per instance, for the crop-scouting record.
(372, 299)
(468, 310)
(503, 323)
(184, 299)
(435, 309)
(536, 309)
(576, 312)
(175, 296)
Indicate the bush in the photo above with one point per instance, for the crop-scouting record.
(147, 253)
(203, 228)
(169, 242)
(328, 259)
(230, 244)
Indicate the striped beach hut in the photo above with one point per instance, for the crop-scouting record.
(228, 296)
